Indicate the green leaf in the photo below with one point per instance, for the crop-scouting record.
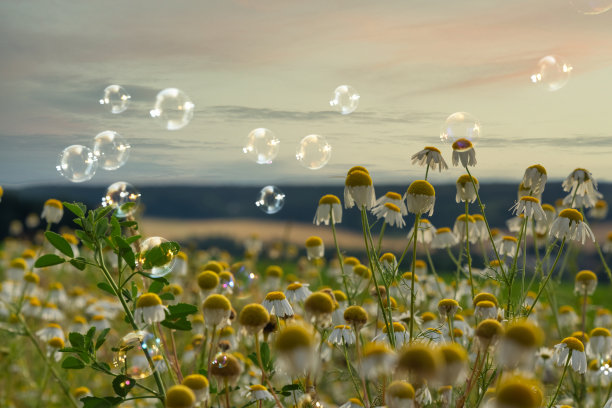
(84, 237)
(69, 350)
(291, 387)
(101, 227)
(77, 340)
(77, 209)
(127, 294)
(104, 402)
(264, 349)
(182, 309)
(132, 239)
(129, 224)
(160, 255)
(103, 212)
(102, 338)
(78, 263)
(122, 384)
(106, 287)
(180, 324)
(48, 260)
(115, 227)
(127, 207)
(156, 287)
(72, 363)
(125, 251)
(134, 290)
(253, 358)
(166, 296)
(60, 243)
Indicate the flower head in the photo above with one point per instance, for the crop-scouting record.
(314, 248)
(585, 282)
(463, 151)
(199, 385)
(329, 209)
(53, 211)
(421, 197)
(253, 317)
(390, 197)
(535, 178)
(217, 310)
(519, 392)
(430, 156)
(358, 190)
(180, 396)
(466, 190)
(530, 207)
(572, 348)
(570, 225)
(149, 309)
(276, 303)
(392, 215)
(400, 394)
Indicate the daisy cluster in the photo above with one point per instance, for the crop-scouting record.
(89, 320)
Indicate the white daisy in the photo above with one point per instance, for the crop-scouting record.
(508, 246)
(430, 156)
(574, 349)
(53, 211)
(342, 334)
(581, 184)
(463, 151)
(149, 309)
(277, 304)
(392, 215)
(358, 189)
(570, 225)
(530, 207)
(260, 393)
(444, 238)
(535, 178)
(329, 209)
(599, 210)
(426, 232)
(297, 292)
(314, 248)
(465, 189)
(393, 198)
(420, 197)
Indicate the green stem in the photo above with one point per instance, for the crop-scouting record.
(43, 386)
(412, 291)
(426, 171)
(380, 238)
(350, 371)
(552, 268)
(554, 398)
(467, 248)
(340, 257)
(512, 271)
(433, 269)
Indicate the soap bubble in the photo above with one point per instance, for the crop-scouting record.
(118, 195)
(552, 73)
(261, 145)
(270, 200)
(77, 163)
(345, 99)
(169, 257)
(115, 98)
(111, 149)
(460, 125)
(591, 7)
(173, 109)
(313, 152)
(220, 360)
(130, 358)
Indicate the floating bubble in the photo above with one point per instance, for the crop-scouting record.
(168, 260)
(313, 152)
(460, 125)
(77, 163)
(123, 197)
(220, 360)
(227, 284)
(173, 109)
(261, 145)
(111, 149)
(591, 7)
(270, 200)
(115, 98)
(130, 358)
(345, 99)
(552, 73)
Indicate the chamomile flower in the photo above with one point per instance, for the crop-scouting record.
(208, 282)
(258, 392)
(277, 304)
(400, 335)
(329, 209)
(459, 228)
(392, 215)
(465, 189)
(426, 232)
(217, 310)
(53, 211)
(430, 156)
(352, 403)
(521, 340)
(599, 210)
(17, 269)
(585, 283)
(100, 322)
(419, 362)
(50, 331)
(50, 312)
(570, 225)
(180, 396)
(530, 207)
(79, 325)
(463, 151)
(448, 308)
(485, 309)
(582, 188)
(253, 318)
(571, 346)
(318, 308)
(356, 317)
(377, 360)
(181, 264)
(518, 392)
(400, 394)
(315, 248)
(600, 343)
(508, 247)
(80, 393)
(420, 197)
(603, 318)
(149, 309)
(53, 347)
(535, 178)
(294, 344)
(390, 197)
(297, 292)
(341, 335)
(455, 360)
(359, 190)
(444, 238)
(226, 367)
(199, 385)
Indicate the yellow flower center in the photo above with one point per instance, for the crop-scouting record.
(489, 328)
(421, 187)
(448, 303)
(314, 241)
(539, 168)
(509, 238)
(485, 304)
(548, 208)
(276, 295)
(485, 296)
(148, 299)
(319, 303)
(572, 215)
(428, 317)
(208, 280)
(19, 263)
(357, 168)
(392, 207)
(462, 144)
(519, 392)
(258, 387)
(362, 271)
(213, 266)
(573, 344)
(355, 315)
(432, 149)
(600, 331)
(393, 196)
(401, 390)
(56, 343)
(530, 199)
(294, 286)
(329, 199)
(465, 179)
(292, 337)
(80, 391)
(453, 353)
(217, 302)
(196, 381)
(180, 396)
(443, 230)
(52, 202)
(397, 327)
(358, 178)
(586, 276)
(524, 333)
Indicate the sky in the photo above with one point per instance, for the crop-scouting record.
(248, 64)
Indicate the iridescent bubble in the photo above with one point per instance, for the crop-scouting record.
(552, 73)
(227, 283)
(130, 358)
(591, 7)
(220, 360)
(460, 125)
(169, 258)
(313, 152)
(122, 196)
(261, 145)
(77, 163)
(111, 149)
(173, 109)
(270, 200)
(115, 98)
(345, 99)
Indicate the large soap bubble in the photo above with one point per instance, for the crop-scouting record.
(552, 73)
(115, 98)
(270, 199)
(313, 152)
(345, 99)
(111, 149)
(173, 109)
(261, 145)
(77, 163)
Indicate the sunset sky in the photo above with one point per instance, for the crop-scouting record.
(274, 64)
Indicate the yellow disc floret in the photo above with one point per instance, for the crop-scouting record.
(329, 199)
(466, 179)
(292, 337)
(401, 390)
(421, 187)
(216, 302)
(52, 202)
(208, 280)
(572, 215)
(195, 382)
(586, 276)
(148, 299)
(358, 178)
(180, 396)
(314, 241)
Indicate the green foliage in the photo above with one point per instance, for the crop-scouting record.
(48, 260)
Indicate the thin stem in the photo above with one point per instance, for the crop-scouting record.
(554, 398)
(433, 270)
(380, 238)
(175, 356)
(412, 292)
(210, 350)
(450, 327)
(227, 399)
(259, 360)
(467, 247)
(512, 271)
(43, 386)
(340, 257)
(166, 353)
(552, 268)
(426, 174)
(584, 309)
